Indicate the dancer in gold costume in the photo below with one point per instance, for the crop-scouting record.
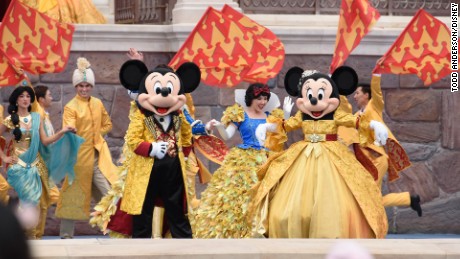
(378, 159)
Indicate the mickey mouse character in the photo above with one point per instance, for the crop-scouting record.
(160, 137)
(317, 188)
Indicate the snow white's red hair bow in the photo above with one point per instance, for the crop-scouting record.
(260, 90)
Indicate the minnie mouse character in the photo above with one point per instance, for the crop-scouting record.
(317, 188)
(160, 138)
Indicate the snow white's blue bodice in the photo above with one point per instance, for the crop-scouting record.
(247, 130)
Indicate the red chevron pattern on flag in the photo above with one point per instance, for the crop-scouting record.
(229, 48)
(357, 17)
(423, 48)
(268, 49)
(33, 42)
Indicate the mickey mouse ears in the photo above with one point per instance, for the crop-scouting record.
(131, 74)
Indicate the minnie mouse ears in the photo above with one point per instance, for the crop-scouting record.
(292, 79)
(131, 74)
(346, 80)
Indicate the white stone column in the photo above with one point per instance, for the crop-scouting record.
(106, 7)
(190, 11)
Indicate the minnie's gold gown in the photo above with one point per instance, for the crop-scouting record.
(68, 11)
(317, 188)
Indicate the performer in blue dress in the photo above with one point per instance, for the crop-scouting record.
(223, 208)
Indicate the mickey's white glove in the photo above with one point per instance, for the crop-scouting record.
(287, 107)
(159, 149)
(380, 133)
(261, 131)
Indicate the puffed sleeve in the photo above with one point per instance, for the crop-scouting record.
(234, 113)
(275, 140)
(8, 123)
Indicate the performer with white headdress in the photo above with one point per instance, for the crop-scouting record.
(223, 208)
(94, 169)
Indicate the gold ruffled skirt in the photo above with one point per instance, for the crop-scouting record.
(224, 204)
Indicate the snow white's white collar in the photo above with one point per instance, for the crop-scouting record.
(273, 103)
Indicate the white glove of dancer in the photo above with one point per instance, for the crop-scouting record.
(287, 107)
(380, 133)
(159, 149)
(261, 131)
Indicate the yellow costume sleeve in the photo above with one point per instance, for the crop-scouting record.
(69, 117)
(294, 122)
(352, 121)
(275, 140)
(345, 105)
(190, 105)
(135, 130)
(106, 125)
(185, 131)
(377, 96)
(347, 135)
(234, 113)
(7, 122)
(346, 119)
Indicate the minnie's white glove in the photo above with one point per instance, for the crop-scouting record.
(159, 149)
(287, 107)
(380, 133)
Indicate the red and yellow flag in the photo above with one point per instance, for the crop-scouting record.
(423, 48)
(219, 47)
(268, 49)
(229, 48)
(357, 17)
(31, 41)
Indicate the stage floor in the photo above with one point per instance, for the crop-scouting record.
(395, 246)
